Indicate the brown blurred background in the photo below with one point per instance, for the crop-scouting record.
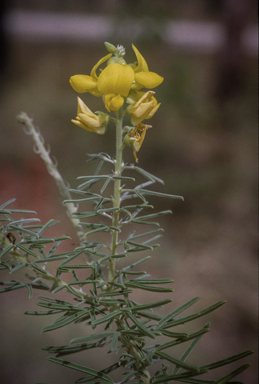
(203, 144)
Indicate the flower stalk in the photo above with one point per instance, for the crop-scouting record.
(117, 193)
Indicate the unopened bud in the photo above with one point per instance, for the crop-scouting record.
(110, 47)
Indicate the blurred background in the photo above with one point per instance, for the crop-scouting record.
(203, 144)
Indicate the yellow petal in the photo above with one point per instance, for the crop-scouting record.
(116, 102)
(81, 125)
(142, 64)
(90, 121)
(153, 111)
(99, 130)
(107, 100)
(102, 60)
(82, 108)
(116, 78)
(82, 83)
(148, 79)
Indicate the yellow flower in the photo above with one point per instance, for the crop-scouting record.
(144, 108)
(115, 82)
(143, 77)
(88, 120)
(85, 83)
(136, 137)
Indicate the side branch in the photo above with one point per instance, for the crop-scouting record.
(51, 165)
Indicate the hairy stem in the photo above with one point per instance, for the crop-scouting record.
(117, 193)
(128, 344)
(23, 118)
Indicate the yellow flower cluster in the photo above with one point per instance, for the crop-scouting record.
(118, 83)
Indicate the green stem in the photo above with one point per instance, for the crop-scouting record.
(128, 344)
(117, 193)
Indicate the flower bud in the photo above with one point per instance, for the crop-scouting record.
(110, 47)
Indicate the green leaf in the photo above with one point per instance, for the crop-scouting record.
(147, 287)
(106, 318)
(137, 221)
(175, 335)
(94, 177)
(138, 246)
(199, 381)
(154, 215)
(25, 221)
(135, 264)
(49, 224)
(229, 360)
(180, 341)
(42, 313)
(77, 266)
(56, 306)
(84, 339)
(179, 377)
(178, 363)
(81, 368)
(190, 349)
(165, 319)
(230, 376)
(70, 349)
(146, 234)
(159, 194)
(6, 250)
(93, 198)
(148, 175)
(114, 341)
(7, 203)
(139, 307)
(4, 212)
(21, 229)
(145, 330)
(27, 250)
(134, 272)
(128, 376)
(50, 300)
(83, 282)
(15, 285)
(67, 320)
(183, 320)
(152, 281)
(51, 258)
(116, 293)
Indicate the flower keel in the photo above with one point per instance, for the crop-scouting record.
(88, 120)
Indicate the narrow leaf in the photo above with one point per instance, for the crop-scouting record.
(145, 330)
(96, 336)
(27, 250)
(190, 349)
(230, 376)
(81, 368)
(6, 250)
(159, 194)
(229, 360)
(195, 316)
(176, 312)
(67, 320)
(178, 363)
(147, 287)
(148, 175)
(114, 341)
(106, 318)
